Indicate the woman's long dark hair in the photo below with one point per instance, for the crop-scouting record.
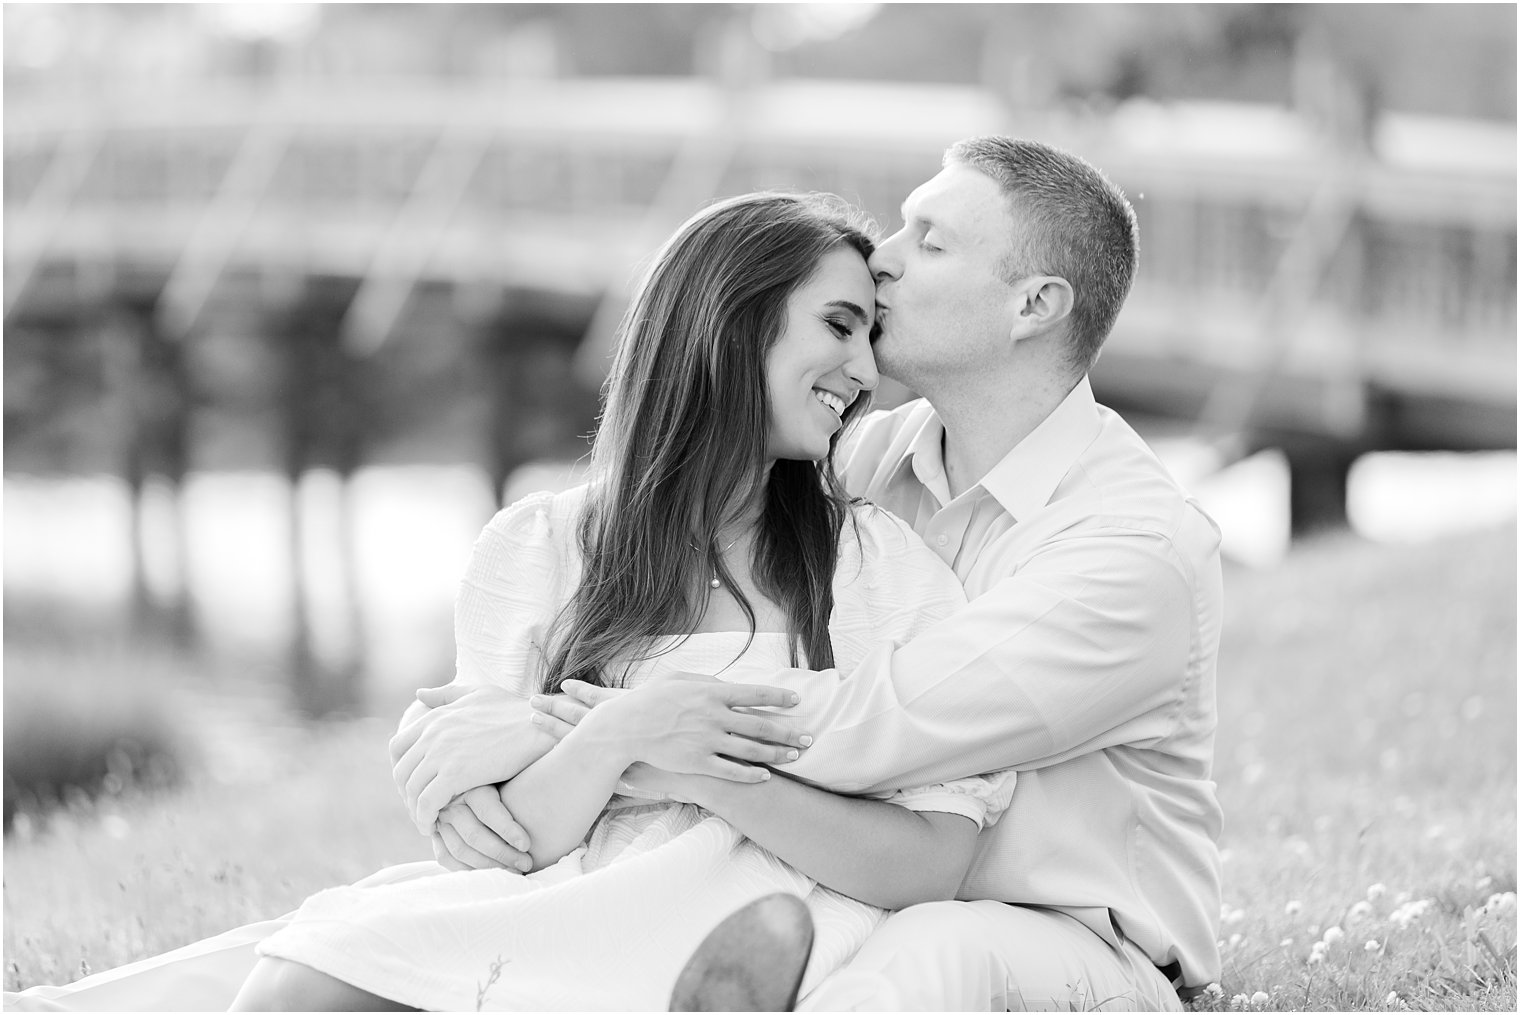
(681, 448)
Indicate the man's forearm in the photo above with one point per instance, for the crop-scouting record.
(895, 857)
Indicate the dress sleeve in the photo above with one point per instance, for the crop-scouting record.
(512, 587)
(982, 798)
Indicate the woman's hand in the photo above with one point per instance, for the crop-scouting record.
(476, 831)
(687, 723)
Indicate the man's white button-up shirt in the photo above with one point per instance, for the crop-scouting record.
(1086, 659)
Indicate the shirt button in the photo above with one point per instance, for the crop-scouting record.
(942, 540)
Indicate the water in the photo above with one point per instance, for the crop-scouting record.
(413, 528)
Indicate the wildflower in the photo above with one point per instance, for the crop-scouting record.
(1371, 946)
(1359, 911)
(1317, 952)
(1260, 998)
(1239, 1001)
(1409, 912)
(1498, 901)
(1391, 1000)
(1377, 891)
(1214, 990)
(1293, 907)
(1333, 935)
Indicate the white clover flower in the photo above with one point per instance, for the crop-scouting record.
(1498, 901)
(1377, 891)
(1392, 1000)
(1317, 953)
(1260, 997)
(1359, 911)
(1332, 935)
(1239, 1001)
(1293, 906)
(1214, 990)
(1371, 946)
(1409, 912)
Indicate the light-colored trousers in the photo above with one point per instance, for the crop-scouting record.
(939, 956)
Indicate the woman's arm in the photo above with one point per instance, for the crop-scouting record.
(871, 850)
(558, 797)
(665, 722)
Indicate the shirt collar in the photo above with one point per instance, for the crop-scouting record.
(925, 455)
(1024, 481)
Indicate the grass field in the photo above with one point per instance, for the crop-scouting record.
(1366, 763)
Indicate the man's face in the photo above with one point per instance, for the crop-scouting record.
(942, 302)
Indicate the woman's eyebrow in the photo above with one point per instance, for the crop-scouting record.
(853, 308)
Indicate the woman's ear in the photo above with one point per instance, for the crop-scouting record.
(1040, 302)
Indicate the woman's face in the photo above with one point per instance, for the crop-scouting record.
(822, 360)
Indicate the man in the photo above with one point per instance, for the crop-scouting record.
(1086, 658)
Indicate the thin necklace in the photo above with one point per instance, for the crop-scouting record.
(715, 581)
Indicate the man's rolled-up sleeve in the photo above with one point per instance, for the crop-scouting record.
(1085, 646)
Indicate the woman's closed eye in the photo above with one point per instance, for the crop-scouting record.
(844, 329)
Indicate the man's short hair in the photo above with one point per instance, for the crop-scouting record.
(1078, 226)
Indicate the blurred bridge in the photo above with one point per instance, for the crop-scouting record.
(1294, 292)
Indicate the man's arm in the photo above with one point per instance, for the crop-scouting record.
(896, 856)
(871, 850)
(1086, 646)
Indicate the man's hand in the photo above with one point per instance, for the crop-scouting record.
(475, 832)
(691, 723)
(470, 736)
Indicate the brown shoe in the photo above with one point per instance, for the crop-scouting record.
(752, 961)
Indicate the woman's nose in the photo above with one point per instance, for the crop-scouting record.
(861, 366)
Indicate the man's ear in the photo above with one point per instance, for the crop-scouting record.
(1040, 302)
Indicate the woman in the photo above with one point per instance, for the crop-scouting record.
(712, 538)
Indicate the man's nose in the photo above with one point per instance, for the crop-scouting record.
(884, 264)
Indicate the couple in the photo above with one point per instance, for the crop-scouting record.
(1005, 651)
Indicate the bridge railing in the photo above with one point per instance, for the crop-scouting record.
(572, 183)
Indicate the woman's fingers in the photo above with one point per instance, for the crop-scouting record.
(463, 851)
(723, 768)
(485, 841)
(589, 695)
(563, 707)
(755, 696)
(556, 728)
(751, 750)
(443, 856)
(771, 731)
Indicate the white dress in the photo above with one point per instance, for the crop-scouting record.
(610, 926)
